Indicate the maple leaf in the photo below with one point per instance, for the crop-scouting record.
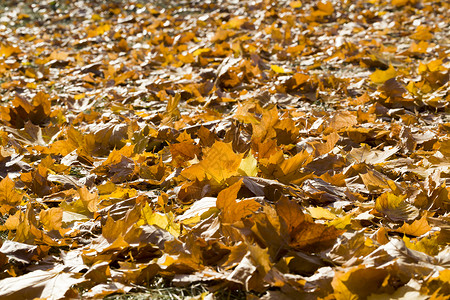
(86, 204)
(395, 207)
(51, 219)
(359, 282)
(314, 237)
(253, 146)
(416, 228)
(185, 150)
(55, 283)
(380, 76)
(233, 210)
(218, 164)
(9, 197)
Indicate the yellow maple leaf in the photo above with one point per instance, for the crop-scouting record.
(280, 70)
(248, 166)
(380, 76)
(51, 218)
(358, 282)
(295, 4)
(164, 221)
(422, 33)
(320, 213)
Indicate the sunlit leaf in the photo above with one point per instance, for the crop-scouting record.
(219, 163)
(416, 228)
(9, 196)
(380, 76)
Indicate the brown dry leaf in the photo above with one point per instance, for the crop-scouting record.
(184, 150)
(86, 202)
(20, 252)
(360, 282)
(105, 289)
(396, 208)
(341, 120)
(372, 156)
(324, 148)
(265, 129)
(291, 214)
(286, 170)
(230, 143)
(314, 237)
(375, 181)
(438, 286)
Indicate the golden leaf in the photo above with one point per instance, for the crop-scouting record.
(280, 70)
(219, 163)
(321, 213)
(295, 4)
(51, 218)
(9, 197)
(231, 209)
(164, 221)
(422, 33)
(380, 76)
(248, 166)
(359, 282)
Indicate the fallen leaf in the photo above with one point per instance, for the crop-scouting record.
(219, 163)
(380, 76)
(55, 283)
(416, 228)
(396, 208)
(9, 196)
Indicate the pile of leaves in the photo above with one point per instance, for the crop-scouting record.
(288, 149)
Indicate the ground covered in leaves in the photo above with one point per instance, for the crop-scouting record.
(282, 149)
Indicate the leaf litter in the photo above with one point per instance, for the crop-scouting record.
(288, 149)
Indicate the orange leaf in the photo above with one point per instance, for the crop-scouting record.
(314, 237)
(51, 218)
(219, 163)
(342, 119)
(416, 228)
(358, 282)
(9, 197)
(291, 213)
(233, 210)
